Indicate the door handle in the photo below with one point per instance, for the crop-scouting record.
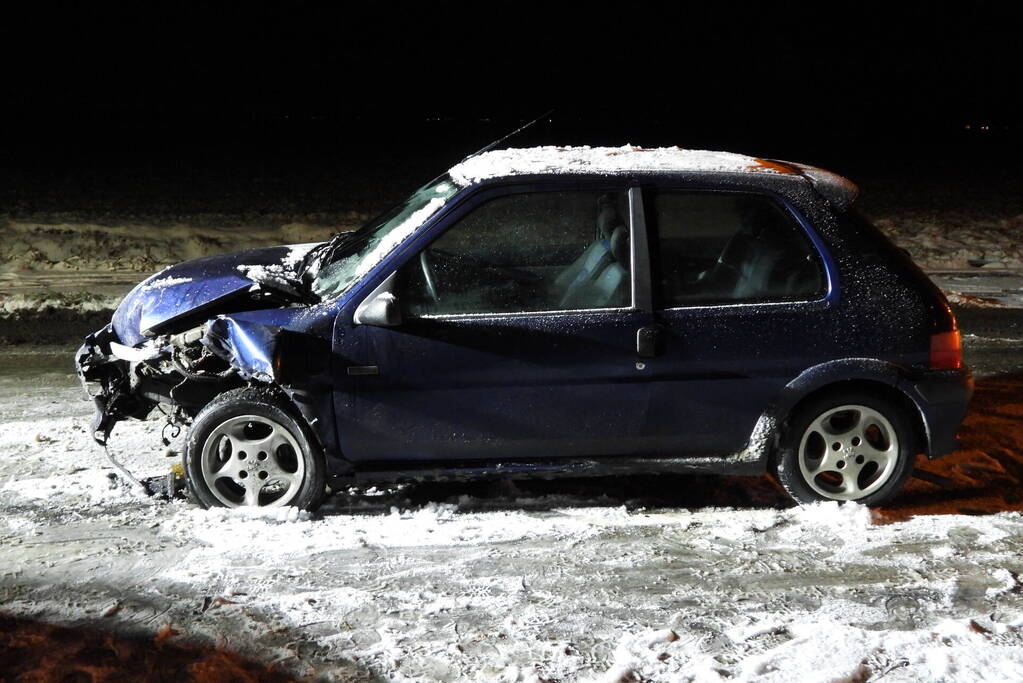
(650, 341)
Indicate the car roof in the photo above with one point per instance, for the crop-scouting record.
(629, 159)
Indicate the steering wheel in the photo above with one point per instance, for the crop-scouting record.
(428, 279)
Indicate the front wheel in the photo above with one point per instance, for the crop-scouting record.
(247, 449)
(844, 447)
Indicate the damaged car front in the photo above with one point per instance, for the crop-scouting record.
(244, 333)
(165, 345)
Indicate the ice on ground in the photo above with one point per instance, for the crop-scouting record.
(91, 486)
(955, 650)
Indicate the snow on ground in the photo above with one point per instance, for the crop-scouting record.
(45, 299)
(985, 288)
(126, 246)
(658, 578)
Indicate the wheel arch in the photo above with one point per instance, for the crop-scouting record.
(876, 377)
(288, 399)
(274, 398)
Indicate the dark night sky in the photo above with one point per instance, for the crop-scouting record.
(323, 89)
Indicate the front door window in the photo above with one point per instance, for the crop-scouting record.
(524, 253)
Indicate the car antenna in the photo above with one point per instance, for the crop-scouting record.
(518, 130)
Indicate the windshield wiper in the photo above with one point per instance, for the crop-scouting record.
(309, 258)
(324, 252)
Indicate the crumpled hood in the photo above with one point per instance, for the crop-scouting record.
(187, 293)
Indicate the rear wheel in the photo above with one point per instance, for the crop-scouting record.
(851, 446)
(247, 449)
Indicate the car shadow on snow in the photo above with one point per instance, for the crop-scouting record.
(33, 650)
(983, 477)
(633, 492)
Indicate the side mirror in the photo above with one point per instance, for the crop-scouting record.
(379, 308)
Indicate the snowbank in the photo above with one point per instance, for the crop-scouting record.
(49, 300)
(957, 241)
(139, 248)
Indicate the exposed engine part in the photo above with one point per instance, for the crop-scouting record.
(188, 337)
(130, 381)
(135, 355)
(198, 364)
(175, 421)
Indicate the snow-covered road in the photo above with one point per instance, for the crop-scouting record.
(657, 578)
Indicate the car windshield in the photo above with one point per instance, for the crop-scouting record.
(350, 256)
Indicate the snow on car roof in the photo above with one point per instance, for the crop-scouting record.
(605, 160)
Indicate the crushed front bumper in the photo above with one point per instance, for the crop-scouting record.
(107, 381)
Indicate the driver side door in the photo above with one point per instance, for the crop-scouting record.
(517, 337)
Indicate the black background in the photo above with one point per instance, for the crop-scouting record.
(305, 107)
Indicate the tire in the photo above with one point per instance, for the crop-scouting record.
(849, 446)
(248, 448)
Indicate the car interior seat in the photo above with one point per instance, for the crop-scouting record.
(608, 286)
(594, 259)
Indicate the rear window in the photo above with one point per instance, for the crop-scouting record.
(725, 248)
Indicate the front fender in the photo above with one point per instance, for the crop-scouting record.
(296, 362)
(247, 346)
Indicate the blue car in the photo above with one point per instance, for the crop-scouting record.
(552, 311)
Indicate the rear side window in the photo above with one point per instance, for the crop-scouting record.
(726, 248)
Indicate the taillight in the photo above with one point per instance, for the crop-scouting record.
(946, 351)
